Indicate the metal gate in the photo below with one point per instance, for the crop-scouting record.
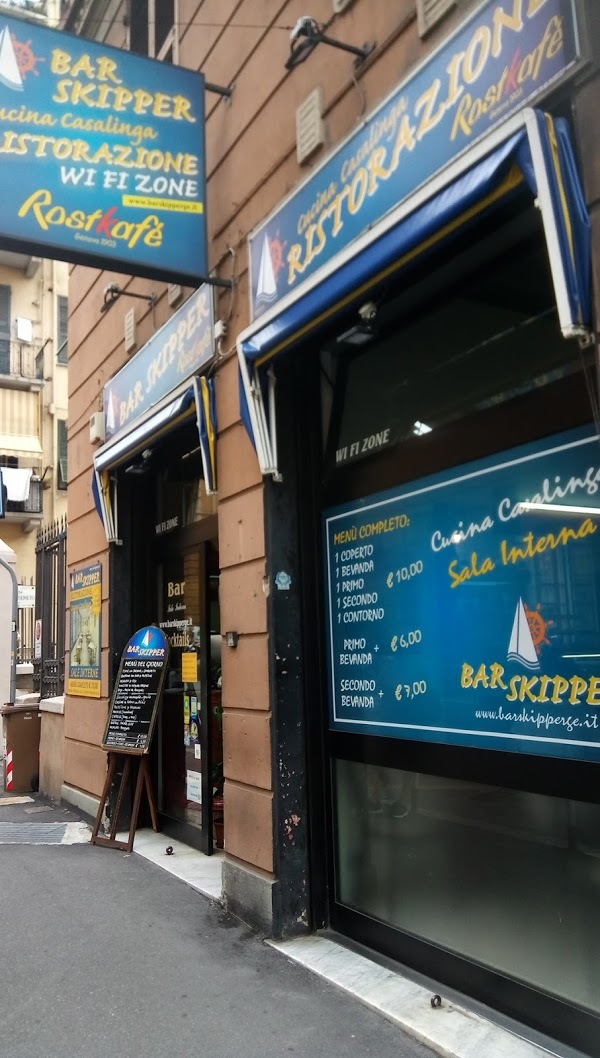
(50, 610)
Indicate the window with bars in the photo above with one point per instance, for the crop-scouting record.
(152, 28)
(4, 330)
(61, 454)
(62, 329)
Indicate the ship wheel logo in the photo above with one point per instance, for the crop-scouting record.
(538, 627)
(26, 59)
(277, 248)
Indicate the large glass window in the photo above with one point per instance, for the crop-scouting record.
(448, 401)
(466, 337)
(506, 878)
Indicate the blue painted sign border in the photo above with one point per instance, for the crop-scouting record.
(503, 56)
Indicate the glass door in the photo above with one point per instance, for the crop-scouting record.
(189, 743)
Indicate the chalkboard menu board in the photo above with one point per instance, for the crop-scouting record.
(463, 608)
(138, 687)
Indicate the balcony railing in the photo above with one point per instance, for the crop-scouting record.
(34, 504)
(21, 360)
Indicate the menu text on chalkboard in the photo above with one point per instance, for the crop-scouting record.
(138, 687)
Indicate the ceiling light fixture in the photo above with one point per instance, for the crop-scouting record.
(420, 428)
(559, 508)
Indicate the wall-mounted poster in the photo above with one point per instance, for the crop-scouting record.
(85, 602)
(465, 607)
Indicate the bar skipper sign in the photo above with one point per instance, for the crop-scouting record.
(502, 57)
(101, 155)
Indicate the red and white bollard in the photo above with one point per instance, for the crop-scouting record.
(9, 771)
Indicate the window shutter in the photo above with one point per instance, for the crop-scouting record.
(4, 330)
(62, 312)
(430, 12)
(61, 454)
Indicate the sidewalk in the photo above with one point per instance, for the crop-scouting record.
(454, 1028)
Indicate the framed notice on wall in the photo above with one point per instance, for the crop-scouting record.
(85, 656)
(465, 607)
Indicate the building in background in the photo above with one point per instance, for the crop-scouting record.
(33, 410)
(398, 649)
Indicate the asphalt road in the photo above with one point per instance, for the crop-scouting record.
(104, 954)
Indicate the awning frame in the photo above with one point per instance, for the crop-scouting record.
(262, 419)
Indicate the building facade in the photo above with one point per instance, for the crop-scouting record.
(382, 604)
(33, 403)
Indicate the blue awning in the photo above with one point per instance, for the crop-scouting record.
(206, 417)
(196, 397)
(532, 151)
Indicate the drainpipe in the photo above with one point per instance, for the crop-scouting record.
(15, 614)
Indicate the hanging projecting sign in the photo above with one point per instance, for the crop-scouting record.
(462, 608)
(498, 60)
(101, 155)
(182, 346)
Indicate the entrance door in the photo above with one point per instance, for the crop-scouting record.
(190, 753)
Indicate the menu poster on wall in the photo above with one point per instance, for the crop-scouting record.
(138, 688)
(85, 656)
(464, 608)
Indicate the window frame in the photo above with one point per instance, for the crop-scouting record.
(62, 329)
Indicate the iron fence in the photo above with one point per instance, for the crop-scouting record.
(26, 623)
(50, 609)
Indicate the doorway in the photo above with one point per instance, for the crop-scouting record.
(189, 752)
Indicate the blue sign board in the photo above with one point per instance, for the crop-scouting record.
(502, 57)
(182, 346)
(102, 156)
(464, 608)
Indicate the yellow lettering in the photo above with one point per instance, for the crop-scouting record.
(502, 18)
(560, 686)
(466, 678)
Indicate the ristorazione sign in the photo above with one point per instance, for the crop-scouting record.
(176, 352)
(101, 155)
(497, 61)
(459, 606)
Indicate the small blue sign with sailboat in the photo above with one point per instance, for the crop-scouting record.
(465, 607)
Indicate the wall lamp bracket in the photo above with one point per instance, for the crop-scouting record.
(307, 34)
(113, 292)
(218, 89)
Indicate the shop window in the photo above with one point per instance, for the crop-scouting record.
(504, 877)
(462, 339)
(152, 29)
(4, 330)
(61, 454)
(62, 327)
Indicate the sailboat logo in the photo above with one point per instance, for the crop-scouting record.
(10, 75)
(527, 636)
(110, 412)
(147, 640)
(271, 262)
